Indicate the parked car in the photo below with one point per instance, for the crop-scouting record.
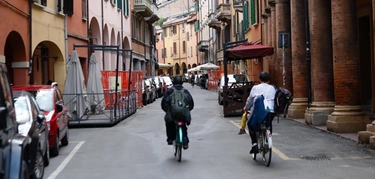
(32, 123)
(145, 93)
(238, 79)
(12, 144)
(186, 77)
(159, 86)
(52, 104)
(152, 88)
(167, 81)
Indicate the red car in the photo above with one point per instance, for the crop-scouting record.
(51, 103)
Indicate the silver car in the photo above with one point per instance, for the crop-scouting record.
(32, 123)
(238, 79)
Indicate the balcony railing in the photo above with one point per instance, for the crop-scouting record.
(143, 7)
(213, 22)
(223, 12)
(238, 5)
(203, 45)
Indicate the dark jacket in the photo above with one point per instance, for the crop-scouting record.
(259, 113)
(166, 101)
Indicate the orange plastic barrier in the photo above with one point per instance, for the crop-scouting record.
(213, 79)
(109, 81)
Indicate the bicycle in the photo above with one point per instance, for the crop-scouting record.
(264, 137)
(179, 141)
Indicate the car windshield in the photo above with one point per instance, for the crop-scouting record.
(167, 80)
(239, 78)
(45, 100)
(20, 105)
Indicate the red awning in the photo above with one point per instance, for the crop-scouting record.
(248, 51)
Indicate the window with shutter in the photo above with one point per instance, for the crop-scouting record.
(59, 6)
(174, 48)
(183, 46)
(68, 7)
(187, 36)
(246, 15)
(84, 9)
(43, 2)
(119, 4)
(126, 7)
(254, 10)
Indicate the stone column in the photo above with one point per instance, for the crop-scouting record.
(283, 25)
(265, 40)
(368, 136)
(321, 62)
(299, 67)
(272, 42)
(347, 115)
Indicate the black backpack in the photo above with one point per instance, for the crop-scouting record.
(179, 106)
(283, 98)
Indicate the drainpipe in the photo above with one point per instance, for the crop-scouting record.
(66, 40)
(88, 32)
(103, 34)
(122, 38)
(308, 54)
(30, 39)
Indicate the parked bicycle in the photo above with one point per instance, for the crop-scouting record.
(264, 137)
(179, 141)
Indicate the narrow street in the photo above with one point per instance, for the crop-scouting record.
(136, 148)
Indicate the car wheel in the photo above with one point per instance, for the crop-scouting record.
(55, 150)
(24, 171)
(65, 140)
(39, 166)
(46, 155)
(144, 100)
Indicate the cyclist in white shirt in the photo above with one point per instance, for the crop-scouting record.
(268, 91)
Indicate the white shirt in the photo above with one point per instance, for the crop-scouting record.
(268, 91)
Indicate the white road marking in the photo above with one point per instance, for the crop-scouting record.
(66, 161)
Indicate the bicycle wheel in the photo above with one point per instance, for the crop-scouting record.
(179, 144)
(266, 151)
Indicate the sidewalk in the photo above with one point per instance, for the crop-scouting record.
(351, 136)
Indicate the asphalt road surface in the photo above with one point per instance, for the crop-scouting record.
(136, 148)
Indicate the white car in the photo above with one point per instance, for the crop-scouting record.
(167, 81)
(239, 79)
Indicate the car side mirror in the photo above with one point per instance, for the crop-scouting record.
(59, 107)
(41, 118)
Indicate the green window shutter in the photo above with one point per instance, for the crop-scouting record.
(253, 15)
(196, 7)
(245, 15)
(196, 26)
(119, 4)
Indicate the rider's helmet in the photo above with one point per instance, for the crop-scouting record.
(177, 80)
(264, 76)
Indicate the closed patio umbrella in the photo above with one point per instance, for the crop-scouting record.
(95, 86)
(75, 90)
